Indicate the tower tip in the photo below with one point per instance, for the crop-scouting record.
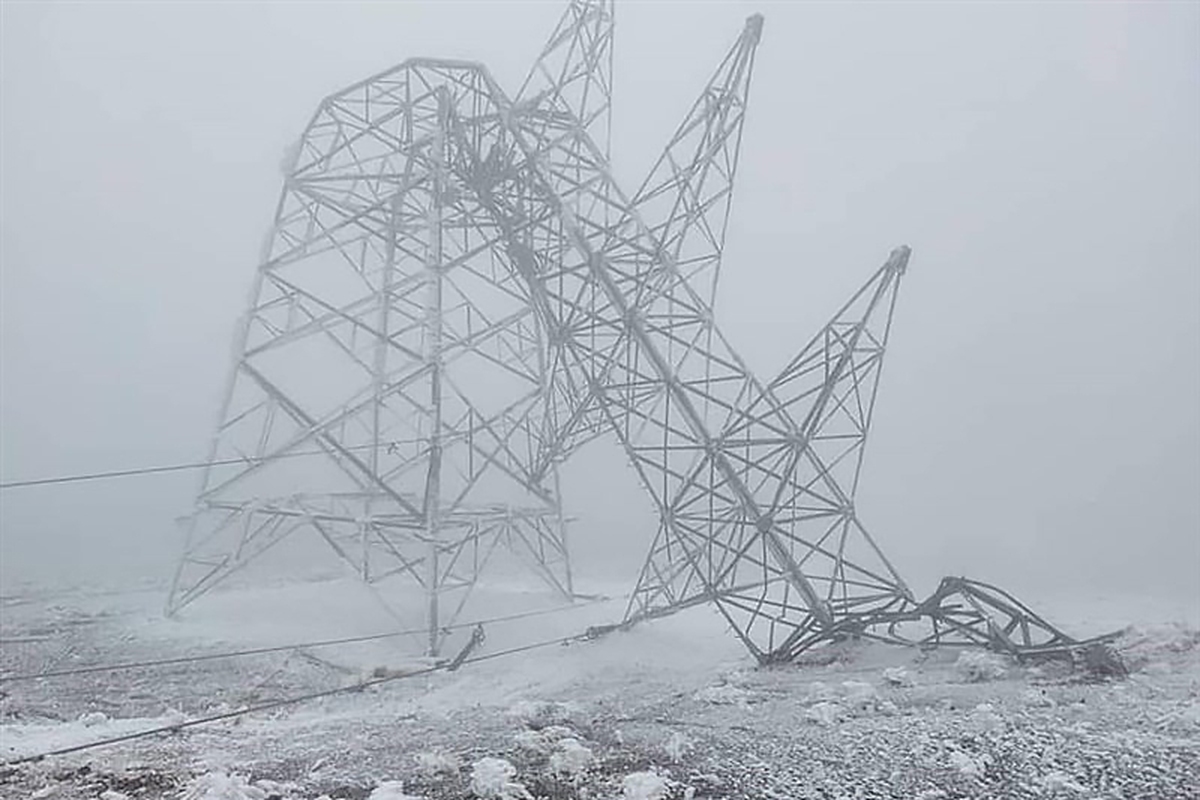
(754, 24)
(898, 260)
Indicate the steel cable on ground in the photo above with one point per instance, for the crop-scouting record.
(161, 662)
(290, 701)
(247, 460)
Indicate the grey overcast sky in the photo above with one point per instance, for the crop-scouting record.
(1039, 417)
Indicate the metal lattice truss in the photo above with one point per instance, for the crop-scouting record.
(457, 295)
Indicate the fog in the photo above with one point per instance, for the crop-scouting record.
(1039, 416)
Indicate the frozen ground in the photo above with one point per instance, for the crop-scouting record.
(668, 710)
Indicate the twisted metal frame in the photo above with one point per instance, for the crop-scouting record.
(479, 298)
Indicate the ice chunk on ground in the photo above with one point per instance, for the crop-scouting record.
(492, 779)
(571, 758)
(221, 786)
(984, 716)
(823, 713)
(736, 677)
(1186, 716)
(276, 789)
(859, 695)
(1061, 783)
(976, 666)
(392, 790)
(645, 786)
(540, 713)
(818, 691)
(93, 718)
(542, 742)
(897, 676)
(174, 716)
(1147, 645)
(724, 695)
(967, 764)
(432, 764)
(677, 746)
(1037, 698)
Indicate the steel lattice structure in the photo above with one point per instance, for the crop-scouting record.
(478, 298)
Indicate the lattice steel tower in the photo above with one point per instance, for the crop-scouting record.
(389, 344)
(457, 294)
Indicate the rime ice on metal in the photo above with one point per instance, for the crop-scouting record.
(456, 295)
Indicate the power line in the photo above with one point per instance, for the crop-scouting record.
(245, 460)
(281, 648)
(290, 701)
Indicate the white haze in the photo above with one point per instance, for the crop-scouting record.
(1039, 416)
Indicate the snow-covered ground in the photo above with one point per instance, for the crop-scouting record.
(668, 710)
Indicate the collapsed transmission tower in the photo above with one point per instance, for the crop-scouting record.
(457, 295)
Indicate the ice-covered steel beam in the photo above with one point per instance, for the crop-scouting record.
(573, 74)
(645, 346)
(687, 197)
